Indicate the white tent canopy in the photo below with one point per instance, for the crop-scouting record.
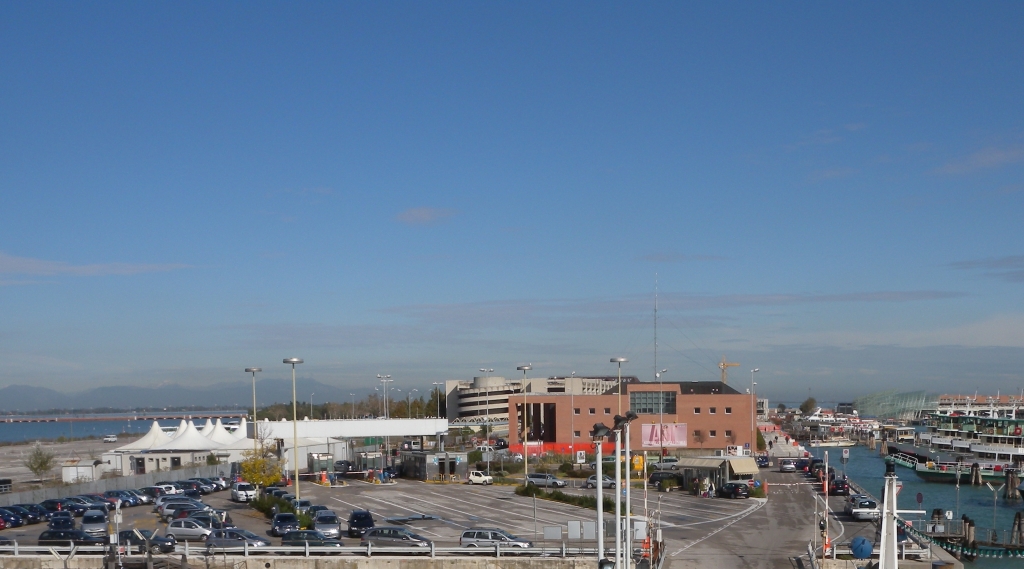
(189, 439)
(155, 437)
(241, 432)
(181, 429)
(220, 435)
(207, 428)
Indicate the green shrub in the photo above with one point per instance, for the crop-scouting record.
(475, 456)
(758, 492)
(266, 504)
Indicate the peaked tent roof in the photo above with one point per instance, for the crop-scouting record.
(220, 435)
(207, 428)
(181, 429)
(189, 439)
(242, 432)
(155, 437)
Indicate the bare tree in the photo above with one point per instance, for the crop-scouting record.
(40, 461)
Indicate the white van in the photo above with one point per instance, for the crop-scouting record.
(110, 438)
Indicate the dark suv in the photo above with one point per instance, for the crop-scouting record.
(839, 487)
(670, 478)
(358, 522)
(734, 490)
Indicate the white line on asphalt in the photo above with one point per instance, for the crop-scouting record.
(378, 514)
(761, 503)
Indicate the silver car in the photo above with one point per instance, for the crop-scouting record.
(95, 523)
(787, 465)
(606, 482)
(393, 537)
(328, 524)
(489, 537)
(234, 537)
(188, 529)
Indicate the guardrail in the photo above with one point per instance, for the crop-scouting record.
(368, 550)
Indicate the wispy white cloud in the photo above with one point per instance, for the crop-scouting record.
(830, 174)
(1009, 268)
(10, 264)
(991, 157)
(677, 258)
(424, 215)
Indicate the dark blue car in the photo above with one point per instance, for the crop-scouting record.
(13, 520)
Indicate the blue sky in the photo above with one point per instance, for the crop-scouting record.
(832, 193)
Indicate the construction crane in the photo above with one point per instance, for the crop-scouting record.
(724, 366)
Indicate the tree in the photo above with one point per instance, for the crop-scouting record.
(39, 461)
(808, 406)
(761, 445)
(782, 408)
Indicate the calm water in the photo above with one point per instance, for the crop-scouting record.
(867, 469)
(19, 432)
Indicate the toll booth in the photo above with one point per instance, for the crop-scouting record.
(438, 466)
(319, 462)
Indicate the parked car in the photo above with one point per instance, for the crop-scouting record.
(787, 465)
(358, 522)
(478, 477)
(234, 537)
(126, 497)
(92, 502)
(153, 492)
(221, 482)
(214, 487)
(188, 529)
(328, 524)
(157, 543)
(315, 510)
(94, 522)
(110, 438)
(301, 507)
(489, 537)
(209, 519)
(37, 509)
(656, 478)
(544, 480)
(342, 466)
(26, 515)
(666, 463)
(606, 481)
(313, 538)
(13, 520)
(802, 464)
(60, 523)
(393, 537)
(243, 492)
(67, 537)
(142, 497)
(283, 523)
(733, 490)
(62, 504)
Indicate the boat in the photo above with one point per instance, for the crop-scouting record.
(833, 442)
(949, 472)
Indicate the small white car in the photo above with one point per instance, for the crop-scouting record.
(110, 439)
(478, 477)
(243, 492)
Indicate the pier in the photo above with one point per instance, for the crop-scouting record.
(140, 416)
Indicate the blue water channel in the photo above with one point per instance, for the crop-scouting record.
(867, 469)
(21, 432)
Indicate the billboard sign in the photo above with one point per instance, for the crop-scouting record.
(668, 435)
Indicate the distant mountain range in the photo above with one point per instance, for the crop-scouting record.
(26, 399)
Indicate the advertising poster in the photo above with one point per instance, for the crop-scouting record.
(669, 435)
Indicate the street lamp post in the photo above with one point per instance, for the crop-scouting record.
(627, 553)
(661, 414)
(619, 361)
(385, 380)
(353, 396)
(572, 416)
(598, 435)
(253, 371)
(408, 405)
(437, 387)
(526, 452)
(295, 426)
(311, 405)
(753, 412)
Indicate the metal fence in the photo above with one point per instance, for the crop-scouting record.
(104, 484)
(362, 551)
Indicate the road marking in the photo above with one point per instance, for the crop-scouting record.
(760, 503)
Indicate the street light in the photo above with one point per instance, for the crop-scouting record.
(353, 396)
(253, 371)
(572, 414)
(295, 425)
(526, 452)
(385, 379)
(598, 435)
(487, 413)
(753, 412)
(622, 542)
(619, 361)
(408, 405)
(311, 405)
(437, 387)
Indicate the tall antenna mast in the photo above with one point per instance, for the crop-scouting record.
(655, 325)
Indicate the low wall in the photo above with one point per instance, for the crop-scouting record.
(119, 483)
(325, 562)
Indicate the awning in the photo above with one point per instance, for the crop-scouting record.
(744, 465)
(700, 463)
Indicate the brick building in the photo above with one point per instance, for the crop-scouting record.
(696, 417)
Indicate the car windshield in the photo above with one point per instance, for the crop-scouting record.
(285, 518)
(247, 534)
(361, 517)
(94, 519)
(304, 503)
(327, 520)
(505, 534)
(245, 487)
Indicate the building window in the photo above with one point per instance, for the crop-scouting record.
(713, 433)
(607, 410)
(696, 410)
(652, 402)
(593, 411)
(575, 434)
(576, 411)
(728, 410)
(728, 434)
(712, 410)
(696, 434)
